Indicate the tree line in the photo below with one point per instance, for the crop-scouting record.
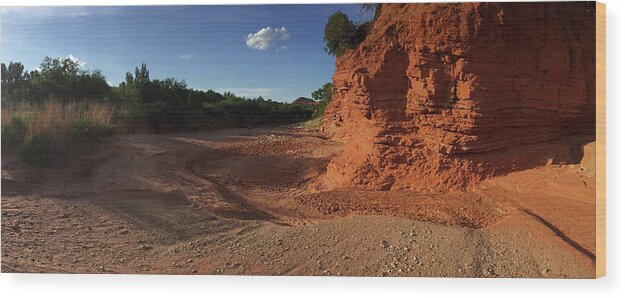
(139, 98)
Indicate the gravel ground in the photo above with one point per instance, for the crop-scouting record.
(244, 201)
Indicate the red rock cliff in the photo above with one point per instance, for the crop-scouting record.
(440, 96)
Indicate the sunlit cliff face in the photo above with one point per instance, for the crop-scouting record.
(441, 96)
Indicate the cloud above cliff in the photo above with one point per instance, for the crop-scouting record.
(267, 37)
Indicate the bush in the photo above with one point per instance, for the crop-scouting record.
(13, 132)
(81, 127)
(42, 150)
(249, 110)
(45, 132)
(156, 114)
(320, 109)
(85, 129)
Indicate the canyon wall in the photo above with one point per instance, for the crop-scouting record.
(441, 96)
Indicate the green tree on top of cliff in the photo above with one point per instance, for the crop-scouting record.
(341, 34)
(370, 8)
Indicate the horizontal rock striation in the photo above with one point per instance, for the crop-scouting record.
(441, 96)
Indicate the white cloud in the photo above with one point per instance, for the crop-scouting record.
(266, 37)
(185, 56)
(76, 60)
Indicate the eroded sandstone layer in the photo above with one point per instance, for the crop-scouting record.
(443, 95)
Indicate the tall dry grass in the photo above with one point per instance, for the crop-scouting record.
(45, 133)
(56, 118)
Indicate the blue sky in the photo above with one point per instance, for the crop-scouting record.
(271, 50)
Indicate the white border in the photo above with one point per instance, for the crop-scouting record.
(52, 285)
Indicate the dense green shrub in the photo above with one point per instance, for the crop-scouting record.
(156, 113)
(42, 150)
(86, 130)
(242, 109)
(13, 132)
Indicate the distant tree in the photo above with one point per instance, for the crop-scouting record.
(173, 84)
(66, 80)
(324, 96)
(196, 98)
(62, 79)
(14, 73)
(14, 81)
(324, 93)
(57, 69)
(129, 79)
(142, 75)
(230, 96)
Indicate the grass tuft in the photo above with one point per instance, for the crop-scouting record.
(312, 123)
